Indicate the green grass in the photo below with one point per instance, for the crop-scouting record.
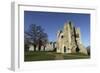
(40, 56)
(76, 56)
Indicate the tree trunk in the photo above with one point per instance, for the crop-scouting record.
(34, 47)
(39, 47)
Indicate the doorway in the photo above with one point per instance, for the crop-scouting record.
(64, 48)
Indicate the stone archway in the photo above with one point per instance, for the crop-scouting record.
(65, 49)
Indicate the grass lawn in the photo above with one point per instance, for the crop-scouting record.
(39, 56)
(76, 56)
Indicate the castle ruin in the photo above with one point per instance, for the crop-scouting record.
(69, 40)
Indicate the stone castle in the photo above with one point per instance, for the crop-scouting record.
(68, 41)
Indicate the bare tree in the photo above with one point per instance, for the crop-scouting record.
(37, 36)
(44, 40)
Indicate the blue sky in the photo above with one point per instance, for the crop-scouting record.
(51, 22)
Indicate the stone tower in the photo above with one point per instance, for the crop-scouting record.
(69, 40)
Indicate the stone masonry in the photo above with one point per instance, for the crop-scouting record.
(69, 40)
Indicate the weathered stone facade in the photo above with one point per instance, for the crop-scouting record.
(69, 40)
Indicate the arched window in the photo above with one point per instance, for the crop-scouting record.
(62, 37)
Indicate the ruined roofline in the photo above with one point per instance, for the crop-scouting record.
(71, 24)
(66, 26)
(68, 22)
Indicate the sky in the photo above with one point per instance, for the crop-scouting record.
(51, 22)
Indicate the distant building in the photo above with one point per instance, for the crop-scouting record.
(69, 40)
(50, 46)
